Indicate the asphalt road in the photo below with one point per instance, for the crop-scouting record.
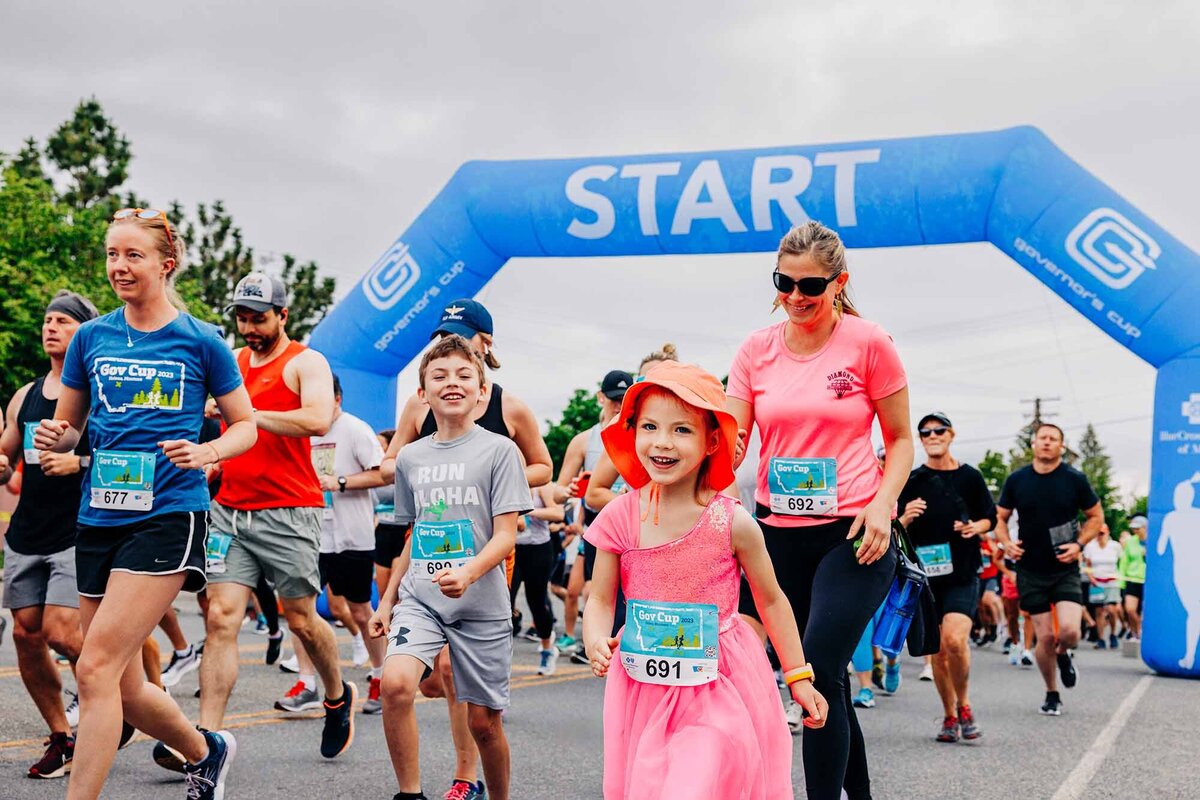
(1118, 738)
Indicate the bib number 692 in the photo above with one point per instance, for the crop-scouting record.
(801, 504)
(661, 668)
(433, 567)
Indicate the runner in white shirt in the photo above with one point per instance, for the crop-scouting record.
(1104, 590)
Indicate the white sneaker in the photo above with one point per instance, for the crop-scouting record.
(180, 666)
(926, 673)
(72, 708)
(291, 664)
(548, 662)
(795, 716)
(360, 656)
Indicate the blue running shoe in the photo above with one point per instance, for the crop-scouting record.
(464, 790)
(206, 780)
(864, 699)
(891, 677)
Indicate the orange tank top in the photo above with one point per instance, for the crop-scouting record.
(278, 471)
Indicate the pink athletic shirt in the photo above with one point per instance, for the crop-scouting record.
(819, 406)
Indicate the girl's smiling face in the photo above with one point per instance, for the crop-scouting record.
(134, 266)
(672, 438)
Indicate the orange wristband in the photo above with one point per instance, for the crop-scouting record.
(804, 673)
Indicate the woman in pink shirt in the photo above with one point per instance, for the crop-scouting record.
(814, 384)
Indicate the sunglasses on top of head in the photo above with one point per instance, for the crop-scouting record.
(148, 213)
(927, 432)
(813, 286)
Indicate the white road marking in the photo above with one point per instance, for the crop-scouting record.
(1076, 783)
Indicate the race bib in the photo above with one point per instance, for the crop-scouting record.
(442, 545)
(802, 487)
(32, 454)
(123, 481)
(386, 513)
(670, 644)
(215, 551)
(935, 559)
(1096, 594)
(322, 461)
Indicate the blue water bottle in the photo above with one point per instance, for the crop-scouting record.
(899, 608)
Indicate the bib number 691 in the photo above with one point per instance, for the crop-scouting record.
(433, 567)
(801, 504)
(661, 668)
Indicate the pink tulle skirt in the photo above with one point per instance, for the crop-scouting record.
(726, 740)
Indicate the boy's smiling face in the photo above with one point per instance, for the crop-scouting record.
(452, 387)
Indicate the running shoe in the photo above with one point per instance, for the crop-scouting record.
(1008, 643)
(795, 716)
(338, 733)
(1100, 645)
(1066, 670)
(926, 673)
(1113, 642)
(168, 757)
(291, 665)
(127, 732)
(1053, 705)
(373, 704)
(72, 709)
(579, 656)
(274, 645)
(548, 662)
(877, 674)
(891, 677)
(261, 628)
(360, 655)
(864, 699)
(56, 761)
(530, 635)
(1026, 658)
(566, 644)
(966, 722)
(206, 780)
(949, 731)
(299, 698)
(180, 665)
(464, 790)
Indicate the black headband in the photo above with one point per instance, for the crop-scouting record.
(75, 306)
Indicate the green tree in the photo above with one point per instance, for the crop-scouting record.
(994, 472)
(93, 155)
(1095, 463)
(28, 161)
(1021, 453)
(581, 413)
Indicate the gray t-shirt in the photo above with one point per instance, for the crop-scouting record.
(450, 491)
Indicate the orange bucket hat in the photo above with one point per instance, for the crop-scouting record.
(694, 387)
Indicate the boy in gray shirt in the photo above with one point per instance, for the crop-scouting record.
(462, 489)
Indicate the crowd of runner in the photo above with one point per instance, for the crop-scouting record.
(149, 459)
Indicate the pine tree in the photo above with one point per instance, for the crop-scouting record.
(93, 154)
(174, 401)
(1097, 466)
(994, 472)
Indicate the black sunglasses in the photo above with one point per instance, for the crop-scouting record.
(927, 432)
(809, 287)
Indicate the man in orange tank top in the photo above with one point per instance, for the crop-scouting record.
(266, 518)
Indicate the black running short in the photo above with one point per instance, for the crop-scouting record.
(955, 598)
(1134, 590)
(165, 544)
(1038, 591)
(389, 542)
(348, 574)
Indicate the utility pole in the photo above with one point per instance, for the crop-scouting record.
(1038, 416)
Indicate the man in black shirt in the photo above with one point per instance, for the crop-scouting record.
(39, 580)
(1048, 496)
(947, 506)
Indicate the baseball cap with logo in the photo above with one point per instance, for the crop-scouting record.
(615, 384)
(259, 291)
(465, 317)
(935, 415)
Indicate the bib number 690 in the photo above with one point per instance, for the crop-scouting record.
(661, 667)
(433, 567)
(801, 504)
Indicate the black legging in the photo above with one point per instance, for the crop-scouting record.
(533, 565)
(832, 596)
(266, 600)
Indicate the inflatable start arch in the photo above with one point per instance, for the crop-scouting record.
(1012, 188)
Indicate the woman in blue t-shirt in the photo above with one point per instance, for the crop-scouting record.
(139, 378)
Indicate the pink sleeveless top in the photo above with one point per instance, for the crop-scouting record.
(697, 567)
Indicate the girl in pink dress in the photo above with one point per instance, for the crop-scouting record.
(691, 708)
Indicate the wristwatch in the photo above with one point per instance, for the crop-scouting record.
(341, 483)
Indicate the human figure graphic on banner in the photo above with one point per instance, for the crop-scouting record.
(1181, 529)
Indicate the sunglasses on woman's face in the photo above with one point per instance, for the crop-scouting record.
(927, 432)
(809, 287)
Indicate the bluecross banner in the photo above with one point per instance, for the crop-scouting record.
(1013, 188)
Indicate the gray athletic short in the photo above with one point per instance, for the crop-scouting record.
(40, 580)
(281, 543)
(480, 650)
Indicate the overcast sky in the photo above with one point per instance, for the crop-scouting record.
(327, 127)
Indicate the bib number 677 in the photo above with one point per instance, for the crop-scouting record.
(115, 497)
